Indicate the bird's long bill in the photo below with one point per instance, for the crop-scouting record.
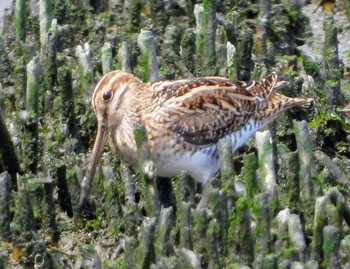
(97, 151)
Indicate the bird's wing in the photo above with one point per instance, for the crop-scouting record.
(200, 111)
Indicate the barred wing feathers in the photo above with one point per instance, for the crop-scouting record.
(203, 110)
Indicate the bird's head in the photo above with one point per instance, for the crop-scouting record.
(109, 101)
(110, 96)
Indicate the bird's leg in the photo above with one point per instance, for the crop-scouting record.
(148, 171)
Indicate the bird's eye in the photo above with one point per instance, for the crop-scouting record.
(107, 95)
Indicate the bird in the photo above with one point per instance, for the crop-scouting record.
(327, 6)
(346, 113)
(184, 120)
(345, 110)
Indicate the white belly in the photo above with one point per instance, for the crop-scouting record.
(205, 163)
(201, 165)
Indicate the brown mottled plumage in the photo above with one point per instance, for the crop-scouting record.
(184, 119)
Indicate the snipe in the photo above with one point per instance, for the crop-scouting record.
(184, 119)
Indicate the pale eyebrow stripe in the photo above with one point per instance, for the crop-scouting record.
(105, 80)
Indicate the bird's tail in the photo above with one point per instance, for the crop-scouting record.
(277, 103)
